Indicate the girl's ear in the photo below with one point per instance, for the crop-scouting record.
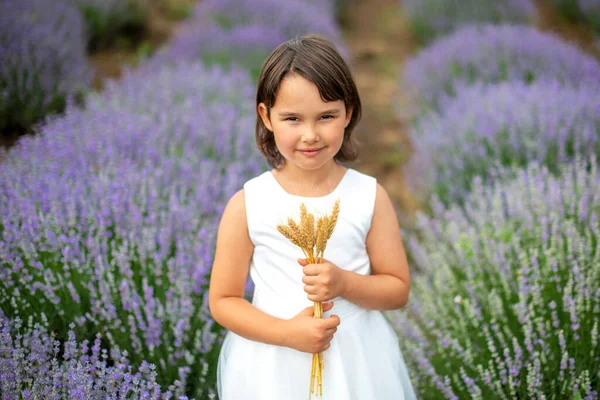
(264, 115)
(348, 117)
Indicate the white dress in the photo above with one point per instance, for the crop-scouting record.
(364, 361)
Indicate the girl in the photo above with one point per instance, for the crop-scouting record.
(308, 105)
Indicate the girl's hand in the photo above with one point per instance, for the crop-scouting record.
(322, 282)
(308, 334)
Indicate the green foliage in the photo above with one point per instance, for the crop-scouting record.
(505, 304)
(106, 23)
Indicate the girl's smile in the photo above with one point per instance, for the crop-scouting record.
(311, 152)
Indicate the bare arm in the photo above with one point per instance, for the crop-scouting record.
(389, 285)
(229, 273)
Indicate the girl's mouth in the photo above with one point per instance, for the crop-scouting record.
(311, 152)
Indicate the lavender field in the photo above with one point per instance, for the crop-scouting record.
(505, 302)
(109, 213)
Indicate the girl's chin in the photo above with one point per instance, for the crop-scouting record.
(312, 163)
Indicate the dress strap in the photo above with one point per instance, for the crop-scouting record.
(358, 198)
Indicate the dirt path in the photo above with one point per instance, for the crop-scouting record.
(379, 43)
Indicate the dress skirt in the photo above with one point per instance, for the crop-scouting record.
(364, 362)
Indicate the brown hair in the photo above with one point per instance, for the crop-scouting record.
(314, 58)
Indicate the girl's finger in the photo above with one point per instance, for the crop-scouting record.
(314, 297)
(310, 289)
(311, 269)
(309, 279)
(303, 261)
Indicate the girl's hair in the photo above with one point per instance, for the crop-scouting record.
(314, 58)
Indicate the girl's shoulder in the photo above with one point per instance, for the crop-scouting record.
(236, 204)
(361, 176)
(355, 181)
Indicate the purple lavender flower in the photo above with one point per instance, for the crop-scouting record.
(510, 124)
(430, 18)
(30, 367)
(208, 111)
(246, 45)
(492, 54)
(44, 62)
(499, 283)
(295, 18)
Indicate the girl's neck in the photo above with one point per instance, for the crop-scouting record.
(318, 176)
(314, 182)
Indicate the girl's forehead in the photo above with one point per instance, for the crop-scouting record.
(298, 92)
(294, 83)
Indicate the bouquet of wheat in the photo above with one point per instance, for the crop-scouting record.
(312, 236)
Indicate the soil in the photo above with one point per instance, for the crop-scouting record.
(380, 41)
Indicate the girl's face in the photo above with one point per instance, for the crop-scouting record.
(308, 131)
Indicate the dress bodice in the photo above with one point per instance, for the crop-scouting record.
(274, 269)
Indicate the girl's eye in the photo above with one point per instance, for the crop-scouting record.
(294, 119)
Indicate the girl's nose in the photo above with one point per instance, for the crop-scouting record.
(310, 136)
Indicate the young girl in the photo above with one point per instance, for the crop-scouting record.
(308, 105)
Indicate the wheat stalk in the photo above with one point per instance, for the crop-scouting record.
(312, 238)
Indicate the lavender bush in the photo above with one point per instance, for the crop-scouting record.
(43, 52)
(33, 366)
(109, 218)
(431, 18)
(293, 18)
(511, 123)
(244, 32)
(506, 304)
(105, 17)
(494, 54)
(185, 96)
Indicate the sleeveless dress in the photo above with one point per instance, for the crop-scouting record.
(364, 361)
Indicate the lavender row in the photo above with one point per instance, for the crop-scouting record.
(109, 217)
(493, 54)
(34, 365)
(44, 62)
(512, 123)
(244, 32)
(431, 18)
(507, 301)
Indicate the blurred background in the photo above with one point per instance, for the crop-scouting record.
(126, 125)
